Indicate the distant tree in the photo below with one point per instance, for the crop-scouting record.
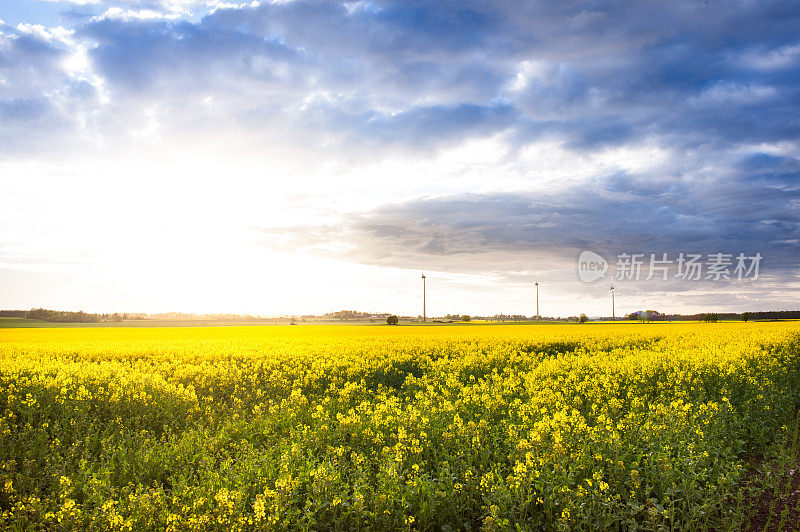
(710, 318)
(653, 315)
(392, 320)
(746, 316)
(466, 317)
(344, 315)
(583, 319)
(62, 316)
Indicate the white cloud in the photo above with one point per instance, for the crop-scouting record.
(118, 13)
(734, 93)
(786, 56)
(79, 2)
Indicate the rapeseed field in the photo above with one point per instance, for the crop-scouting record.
(554, 427)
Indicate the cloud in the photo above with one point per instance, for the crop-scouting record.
(748, 212)
(45, 97)
(648, 126)
(419, 76)
(173, 5)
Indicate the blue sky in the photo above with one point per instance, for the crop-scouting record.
(289, 157)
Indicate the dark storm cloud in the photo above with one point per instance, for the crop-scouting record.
(618, 214)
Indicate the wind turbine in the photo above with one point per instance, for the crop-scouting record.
(613, 316)
(424, 317)
(536, 284)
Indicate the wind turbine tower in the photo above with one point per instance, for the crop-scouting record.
(424, 317)
(536, 284)
(613, 316)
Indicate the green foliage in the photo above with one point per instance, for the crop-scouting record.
(60, 316)
(392, 320)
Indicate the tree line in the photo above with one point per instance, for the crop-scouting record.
(65, 316)
(652, 315)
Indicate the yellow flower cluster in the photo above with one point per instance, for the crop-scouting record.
(260, 428)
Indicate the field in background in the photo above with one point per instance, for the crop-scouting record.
(552, 426)
(257, 322)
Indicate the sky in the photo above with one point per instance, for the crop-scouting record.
(297, 157)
